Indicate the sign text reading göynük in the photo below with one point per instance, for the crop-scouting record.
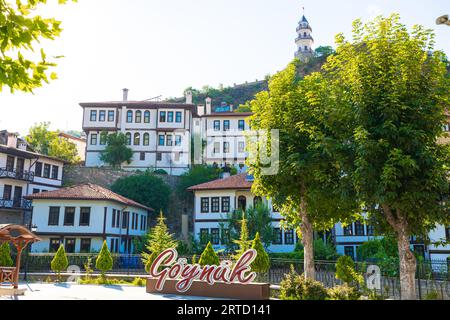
(173, 269)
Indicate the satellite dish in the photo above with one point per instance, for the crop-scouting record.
(443, 20)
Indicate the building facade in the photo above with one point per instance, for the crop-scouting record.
(159, 133)
(83, 216)
(23, 172)
(80, 144)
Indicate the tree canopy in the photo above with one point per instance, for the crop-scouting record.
(116, 151)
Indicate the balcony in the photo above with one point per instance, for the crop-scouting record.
(15, 204)
(304, 38)
(18, 175)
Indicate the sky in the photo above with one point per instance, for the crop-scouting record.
(161, 47)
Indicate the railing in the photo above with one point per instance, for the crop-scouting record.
(20, 203)
(14, 174)
(303, 37)
(7, 276)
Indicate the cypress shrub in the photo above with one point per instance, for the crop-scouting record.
(59, 262)
(104, 260)
(5, 256)
(209, 257)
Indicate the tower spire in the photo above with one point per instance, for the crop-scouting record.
(304, 40)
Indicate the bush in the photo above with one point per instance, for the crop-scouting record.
(261, 263)
(209, 257)
(104, 260)
(139, 282)
(343, 292)
(160, 171)
(433, 295)
(345, 271)
(5, 256)
(296, 287)
(59, 262)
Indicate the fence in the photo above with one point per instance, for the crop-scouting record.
(431, 277)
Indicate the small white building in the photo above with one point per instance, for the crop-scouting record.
(79, 142)
(83, 216)
(216, 200)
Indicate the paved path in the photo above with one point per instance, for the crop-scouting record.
(72, 291)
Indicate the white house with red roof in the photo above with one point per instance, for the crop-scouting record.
(215, 200)
(83, 216)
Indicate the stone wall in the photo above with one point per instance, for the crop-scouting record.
(105, 177)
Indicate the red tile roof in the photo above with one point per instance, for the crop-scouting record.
(87, 191)
(234, 182)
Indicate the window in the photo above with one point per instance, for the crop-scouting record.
(129, 116)
(359, 228)
(162, 116)
(277, 236)
(147, 117)
(216, 148)
(93, 139)
(370, 230)
(225, 239)
(124, 220)
(133, 221)
(178, 140)
(241, 147)
(36, 191)
(215, 204)
(110, 116)
(7, 192)
(146, 139)
(69, 216)
(226, 147)
(170, 116)
(178, 117)
(38, 169)
(93, 115)
(102, 116)
(216, 125)
(256, 201)
(85, 216)
(169, 141)
(215, 236)
(113, 222)
(55, 172)
(47, 170)
(289, 236)
(54, 244)
(138, 117)
(161, 140)
(241, 125)
(419, 250)
(242, 202)
(70, 245)
(103, 138)
(128, 136)
(144, 225)
(226, 125)
(137, 139)
(204, 236)
(349, 251)
(53, 216)
(158, 156)
(85, 245)
(142, 156)
(225, 204)
(9, 163)
(204, 205)
(348, 230)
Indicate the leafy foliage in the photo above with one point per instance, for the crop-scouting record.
(209, 257)
(243, 243)
(262, 261)
(343, 292)
(21, 27)
(116, 151)
(49, 143)
(156, 194)
(5, 255)
(104, 260)
(197, 174)
(297, 287)
(345, 271)
(159, 239)
(60, 261)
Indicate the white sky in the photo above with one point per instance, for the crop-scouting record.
(160, 47)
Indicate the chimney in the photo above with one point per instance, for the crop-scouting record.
(125, 94)
(189, 97)
(201, 110)
(12, 140)
(231, 107)
(208, 105)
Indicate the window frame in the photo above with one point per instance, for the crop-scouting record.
(69, 216)
(215, 204)
(216, 125)
(55, 174)
(170, 116)
(204, 205)
(129, 118)
(178, 117)
(94, 137)
(226, 204)
(137, 139)
(162, 116)
(38, 169)
(161, 140)
(53, 217)
(241, 125)
(226, 125)
(89, 241)
(47, 171)
(277, 236)
(289, 236)
(138, 116)
(93, 116)
(215, 236)
(147, 116)
(102, 116)
(82, 215)
(111, 115)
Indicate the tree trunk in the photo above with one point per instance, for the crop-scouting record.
(407, 259)
(307, 241)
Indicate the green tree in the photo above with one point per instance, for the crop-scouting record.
(159, 239)
(309, 187)
(104, 261)
(59, 262)
(21, 27)
(49, 143)
(261, 263)
(345, 271)
(389, 90)
(243, 242)
(156, 195)
(209, 257)
(5, 255)
(116, 151)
